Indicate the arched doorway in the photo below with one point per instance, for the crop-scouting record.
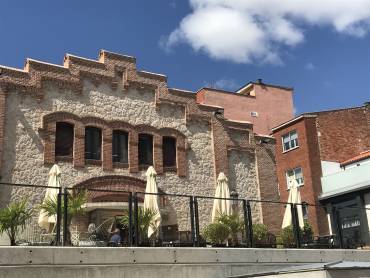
(107, 199)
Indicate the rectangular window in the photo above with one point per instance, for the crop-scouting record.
(296, 174)
(64, 139)
(93, 142)
(290, 141)
(120, 146)
(145, 149)
(169, 151)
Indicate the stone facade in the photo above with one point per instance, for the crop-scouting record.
(112, 94)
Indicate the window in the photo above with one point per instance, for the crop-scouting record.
(169, 151)
(295, 174)
(93, 143)
(145, 149)
(290, 141)
(120, 146)
(64, 139)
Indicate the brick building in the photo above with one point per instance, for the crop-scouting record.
(104, 122)
(308, 146)
(263, 105)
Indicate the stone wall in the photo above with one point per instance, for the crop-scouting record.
(112, 90)
(23, 148)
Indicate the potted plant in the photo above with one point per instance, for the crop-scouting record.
(287, 237)
(235, 225)
(216, 234)
(75, 207)
(13, 219)
(307, 233)
(260, 235)
(145, 220)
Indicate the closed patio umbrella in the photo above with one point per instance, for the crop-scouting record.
(221, 206)
(294, 198)
(150, 200)
(44, 221)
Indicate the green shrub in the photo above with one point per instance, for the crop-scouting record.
(287, 236)
(307, 232)
(260, 233)
(216, 233)
(235, 224)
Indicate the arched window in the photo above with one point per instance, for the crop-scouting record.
(93, 142)
(145, 149)
(120, 146)
(169, 151)
(64, 139)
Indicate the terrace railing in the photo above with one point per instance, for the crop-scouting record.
(185, 220)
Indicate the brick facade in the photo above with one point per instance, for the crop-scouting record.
(273, 104)
(111, 94)
(322, 136)
(48, 128)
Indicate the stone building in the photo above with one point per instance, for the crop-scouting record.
(312, 146)
(104, 122)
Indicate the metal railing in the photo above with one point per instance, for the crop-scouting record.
(192, 213)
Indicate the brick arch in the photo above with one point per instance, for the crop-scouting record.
(111, 182)
(48, 131)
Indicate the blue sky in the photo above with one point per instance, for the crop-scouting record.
(325, 57)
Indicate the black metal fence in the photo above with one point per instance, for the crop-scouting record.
(109, 217)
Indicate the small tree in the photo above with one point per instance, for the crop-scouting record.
(13, 219)
(260, 233)
(216, 233)
(74, 207)
(145, 220)
(235, 224)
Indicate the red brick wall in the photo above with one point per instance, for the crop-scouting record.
(343, 133)
(48, 130)
(274, 106)
(301, 157)
(268, 184)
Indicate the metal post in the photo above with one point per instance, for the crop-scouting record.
(338, 227)
(296, 228)
(248, 222)
(59, 216)
(65, 216)
(136, 220)
(130, 219)
(196, 218)
(191, 204)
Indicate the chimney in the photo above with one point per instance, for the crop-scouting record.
(259, 81)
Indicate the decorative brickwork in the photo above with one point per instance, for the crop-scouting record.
(48, 130)
(268, 184)
(2, 122)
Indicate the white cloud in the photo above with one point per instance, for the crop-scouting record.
(246, 31)
(227, 84)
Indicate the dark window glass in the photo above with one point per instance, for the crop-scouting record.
(145, 149)
(64, 139)
(120, 146)
(169, 152)
(93, 143)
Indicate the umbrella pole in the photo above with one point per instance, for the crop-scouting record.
(295, 223)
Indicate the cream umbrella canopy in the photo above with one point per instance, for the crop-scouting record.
(221, 206)
(44, 221)
(150, 200)
(294, 198)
